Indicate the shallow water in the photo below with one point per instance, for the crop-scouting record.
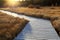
(36, 29)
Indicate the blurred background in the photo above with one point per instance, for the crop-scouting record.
(17, 3)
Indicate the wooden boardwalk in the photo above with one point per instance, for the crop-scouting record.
(36, 29)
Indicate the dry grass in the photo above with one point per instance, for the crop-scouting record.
(52, 13)
(10, 26)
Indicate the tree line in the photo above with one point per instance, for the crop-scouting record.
(38, 2)
(47, 2)
(51, 2)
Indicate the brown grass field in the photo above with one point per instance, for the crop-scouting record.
(10, 26)
(51, 13)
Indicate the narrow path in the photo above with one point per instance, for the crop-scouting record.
(36, 29)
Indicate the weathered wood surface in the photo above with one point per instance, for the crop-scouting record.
(36, 29)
